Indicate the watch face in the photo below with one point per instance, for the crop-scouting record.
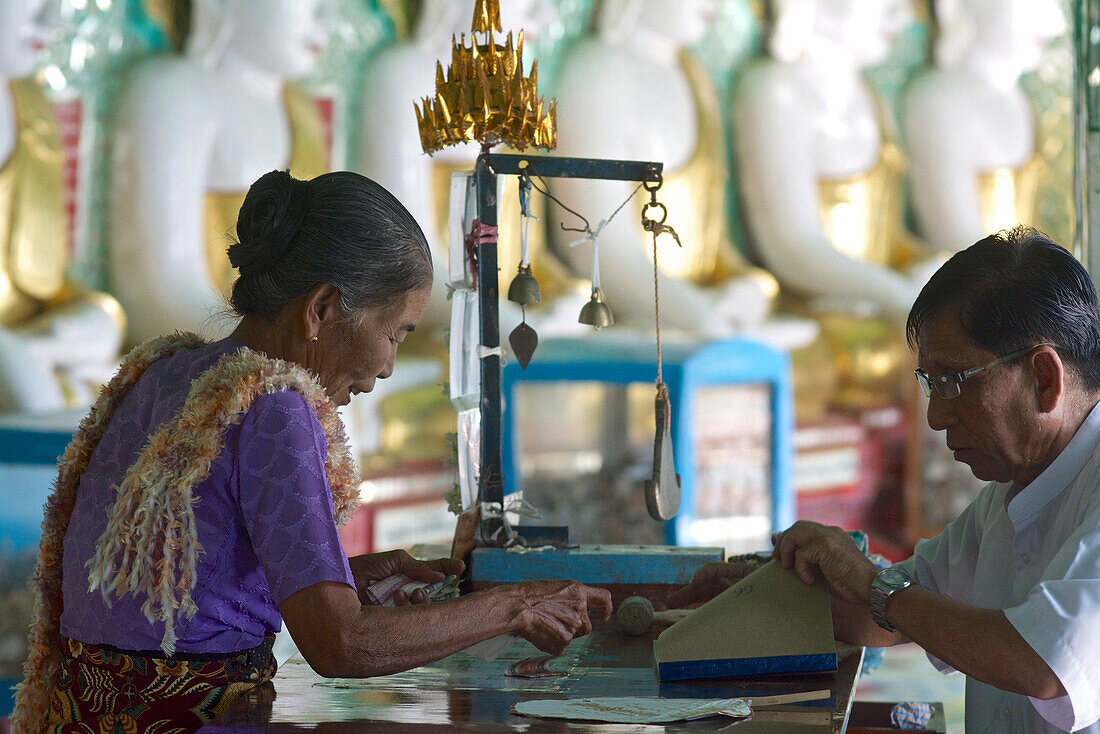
(894, 576)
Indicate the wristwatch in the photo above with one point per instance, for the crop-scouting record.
(887, 582)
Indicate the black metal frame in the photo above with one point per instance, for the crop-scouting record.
(488, 167)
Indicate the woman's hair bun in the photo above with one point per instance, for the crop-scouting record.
(273, 211)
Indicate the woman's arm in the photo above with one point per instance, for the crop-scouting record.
(339, 637)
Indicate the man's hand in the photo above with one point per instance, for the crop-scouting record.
(709, 581)
(376, 566)
(816, 551)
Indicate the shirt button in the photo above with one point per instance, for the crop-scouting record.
(1025, 559)
(1006, 711)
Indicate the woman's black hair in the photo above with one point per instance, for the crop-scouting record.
(1013, 290)
(339, 228)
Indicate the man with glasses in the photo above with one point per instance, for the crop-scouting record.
(1007, 335)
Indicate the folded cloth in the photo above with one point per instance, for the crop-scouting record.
(102, 688)
(911, 714)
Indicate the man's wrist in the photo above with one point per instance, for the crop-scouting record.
(885, 584)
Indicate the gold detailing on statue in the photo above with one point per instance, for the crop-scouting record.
(814, 379)
(415, 424)
(308, 158)
(1009, 196)
(871, 359)
(857, 361)
(75, 295)
(173, 17)
(33, 242)
(697, 192)
(402, 14)
(861, 214)
(484, 96)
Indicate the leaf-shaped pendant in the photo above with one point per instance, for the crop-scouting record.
(524, 340)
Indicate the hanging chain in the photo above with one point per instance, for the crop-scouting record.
(657, 227)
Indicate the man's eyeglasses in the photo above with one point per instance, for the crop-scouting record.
(947, 386)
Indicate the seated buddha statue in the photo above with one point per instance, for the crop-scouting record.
(821, 184)
(819, 178)
(58, 340)
(192, 131)
(971, 127)
(632, 91)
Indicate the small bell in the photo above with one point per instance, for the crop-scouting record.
(596, 313)
(524, 289)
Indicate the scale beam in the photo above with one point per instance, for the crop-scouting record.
(561, 167)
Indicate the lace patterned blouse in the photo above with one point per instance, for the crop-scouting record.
(263, 517)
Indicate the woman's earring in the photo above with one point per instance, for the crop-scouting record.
(313, 338)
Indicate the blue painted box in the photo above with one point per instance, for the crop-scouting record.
(592, 564)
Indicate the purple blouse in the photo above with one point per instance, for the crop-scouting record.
(263, 517)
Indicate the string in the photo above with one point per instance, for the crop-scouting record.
(546, 192)
(587, 228)
(657, 307)
(662, 389)
(527, 216)
(596, 258)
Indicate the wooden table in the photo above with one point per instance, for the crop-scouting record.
(464, 693)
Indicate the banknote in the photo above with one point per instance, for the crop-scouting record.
(382, 592)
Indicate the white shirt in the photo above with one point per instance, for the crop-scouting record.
(1037, 557)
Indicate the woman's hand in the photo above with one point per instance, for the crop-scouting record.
(709, 581)
(376, 566)
(813, 550)
(552, 613)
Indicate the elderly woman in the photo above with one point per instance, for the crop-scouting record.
(196, 508)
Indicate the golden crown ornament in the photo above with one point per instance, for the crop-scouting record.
(484, 96)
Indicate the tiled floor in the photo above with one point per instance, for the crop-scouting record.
(906, 675)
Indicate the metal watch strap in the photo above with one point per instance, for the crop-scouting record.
(882, 588)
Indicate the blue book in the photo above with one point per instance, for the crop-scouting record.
(767, 623)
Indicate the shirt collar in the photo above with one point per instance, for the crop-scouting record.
(1028, 502)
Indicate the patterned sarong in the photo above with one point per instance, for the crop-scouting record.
(102, 690)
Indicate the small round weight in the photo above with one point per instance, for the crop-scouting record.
(635, 615)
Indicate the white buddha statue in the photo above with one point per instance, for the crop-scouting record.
(389, 149)
(818, 176)
(971, 127)
(631, 91)
(191, 133)
(58, 341)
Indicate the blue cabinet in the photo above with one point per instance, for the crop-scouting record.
(732, 414)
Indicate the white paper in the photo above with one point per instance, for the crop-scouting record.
(465, 376)
(462, 211)
(633, 709)
(469, 458)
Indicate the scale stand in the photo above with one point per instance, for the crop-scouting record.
(488, 167)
